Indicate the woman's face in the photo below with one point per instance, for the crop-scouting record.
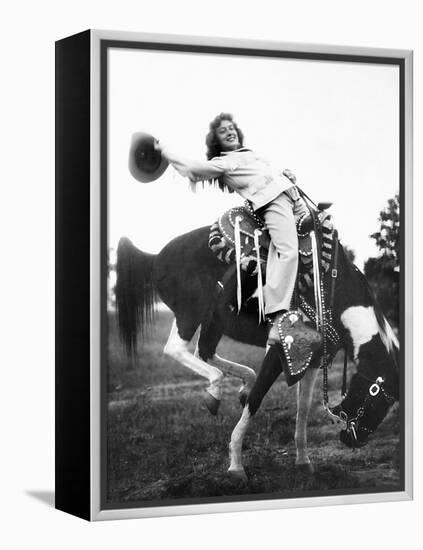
(227, 136)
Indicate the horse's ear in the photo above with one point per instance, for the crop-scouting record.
(324, 205)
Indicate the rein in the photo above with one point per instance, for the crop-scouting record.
(325, 315)
(334, 276)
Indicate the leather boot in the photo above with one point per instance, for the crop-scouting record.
(273, 334)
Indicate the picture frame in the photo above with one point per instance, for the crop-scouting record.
(92, 78)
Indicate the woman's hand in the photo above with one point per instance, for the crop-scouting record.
(157, 145)
(290, 175)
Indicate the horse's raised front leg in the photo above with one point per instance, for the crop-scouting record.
(270, 370)
(177, 348)
(304, 398)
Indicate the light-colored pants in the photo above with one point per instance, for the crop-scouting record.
(280, 216)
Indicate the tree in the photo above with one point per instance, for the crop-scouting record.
(388, 238)
(383, 272)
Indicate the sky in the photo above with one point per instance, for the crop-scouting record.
(335, 125)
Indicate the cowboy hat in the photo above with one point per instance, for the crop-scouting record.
(145, 162)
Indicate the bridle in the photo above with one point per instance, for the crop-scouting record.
(375, 389)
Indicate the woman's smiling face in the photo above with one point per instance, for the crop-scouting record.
(227, 136)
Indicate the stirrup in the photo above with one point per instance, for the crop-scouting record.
(270, 317)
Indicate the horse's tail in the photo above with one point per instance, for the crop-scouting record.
(135, 293)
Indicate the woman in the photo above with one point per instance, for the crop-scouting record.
(272, 193)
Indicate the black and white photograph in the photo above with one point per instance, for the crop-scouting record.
(254, 291)
(211, 275)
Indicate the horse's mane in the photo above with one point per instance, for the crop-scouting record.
(386, 332)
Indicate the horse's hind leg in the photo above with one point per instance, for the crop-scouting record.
(247, 375)
(210, 336)
(177, 348)
(270, 370)
(304, 398)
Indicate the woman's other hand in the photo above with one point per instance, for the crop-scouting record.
(290, 175)
(157, 145)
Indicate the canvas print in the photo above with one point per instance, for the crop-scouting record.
(253, 307)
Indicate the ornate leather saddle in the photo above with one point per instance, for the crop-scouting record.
(243, 224)
(240, 237)
(223, 234)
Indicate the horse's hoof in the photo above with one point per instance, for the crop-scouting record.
(211, 403)
(238, 475)
(306, 468)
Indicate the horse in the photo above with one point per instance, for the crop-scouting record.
(187, 276)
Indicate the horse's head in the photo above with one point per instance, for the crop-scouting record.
(364, 407)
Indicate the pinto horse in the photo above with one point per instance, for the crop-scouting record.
(187, 276)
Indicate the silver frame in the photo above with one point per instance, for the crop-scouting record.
(407, 494)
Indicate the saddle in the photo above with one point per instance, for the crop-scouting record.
(241, 224)
(242, 220)
(240, 237)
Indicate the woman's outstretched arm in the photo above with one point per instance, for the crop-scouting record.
(195, 170)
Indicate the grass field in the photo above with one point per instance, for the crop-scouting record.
(163, 443)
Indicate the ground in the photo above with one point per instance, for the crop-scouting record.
(163, 444)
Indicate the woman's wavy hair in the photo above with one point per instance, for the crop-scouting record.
(213, 145)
